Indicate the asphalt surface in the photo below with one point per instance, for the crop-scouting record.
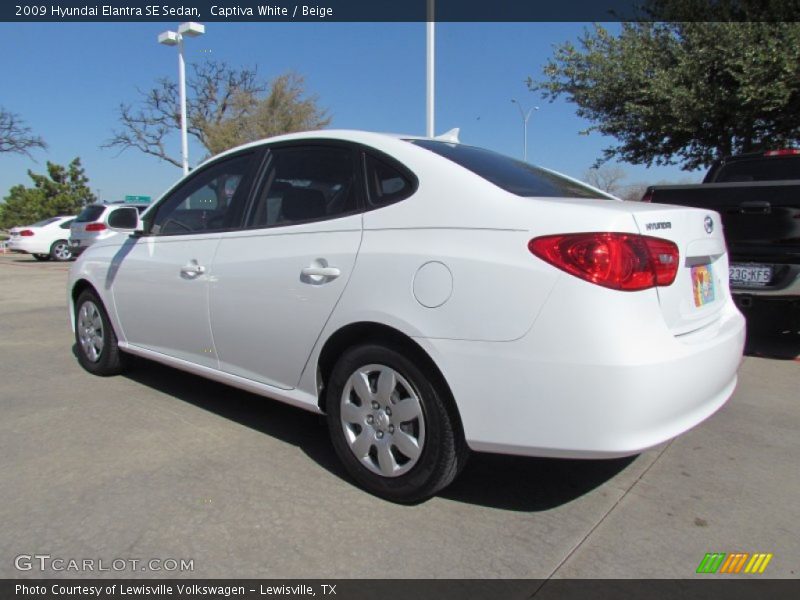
(158, 464)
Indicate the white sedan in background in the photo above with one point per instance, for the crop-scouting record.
(45, 240)
(429, 297)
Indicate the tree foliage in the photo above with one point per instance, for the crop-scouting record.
(15, 136)
(226, 107)
(63, 191)
(673, 90)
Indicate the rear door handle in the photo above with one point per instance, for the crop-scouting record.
(192, 269)
(326, 272)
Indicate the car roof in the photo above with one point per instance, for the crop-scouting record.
(346, 135)
(117, 204)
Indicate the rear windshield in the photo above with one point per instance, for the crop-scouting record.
(512, 175)
(44, 222)
(759, 169)
(90, 213)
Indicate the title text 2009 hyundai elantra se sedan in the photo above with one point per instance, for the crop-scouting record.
(429, 297)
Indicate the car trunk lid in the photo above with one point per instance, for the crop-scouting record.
(700, 289)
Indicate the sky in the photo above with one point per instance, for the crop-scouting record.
(67, 80)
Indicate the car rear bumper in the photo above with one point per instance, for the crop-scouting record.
(79, 243)
(76, 249)
(26, 247)
(588, 394)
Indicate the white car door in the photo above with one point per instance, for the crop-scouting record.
(160, 280)
(277, 280)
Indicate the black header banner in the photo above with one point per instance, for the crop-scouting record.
(387, 10)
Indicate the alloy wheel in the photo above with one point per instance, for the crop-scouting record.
(90, 331)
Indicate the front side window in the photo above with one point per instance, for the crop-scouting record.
(306, 183)
(204, 202)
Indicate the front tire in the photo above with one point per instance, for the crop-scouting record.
(95, 339)
(60, 251)
(390, 424)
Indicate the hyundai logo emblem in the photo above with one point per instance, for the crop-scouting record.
(708, 223)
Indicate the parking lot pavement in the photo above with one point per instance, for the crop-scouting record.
(158, 464)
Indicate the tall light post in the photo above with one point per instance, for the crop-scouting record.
(526, 115)
(175, 38)
(430, 70)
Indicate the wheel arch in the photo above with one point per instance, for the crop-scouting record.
(363, 332)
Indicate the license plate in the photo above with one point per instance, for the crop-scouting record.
(755, 275)
(702, 285)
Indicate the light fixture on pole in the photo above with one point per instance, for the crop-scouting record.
(175, 38)
(526, 115)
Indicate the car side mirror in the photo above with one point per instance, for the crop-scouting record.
(124, 218)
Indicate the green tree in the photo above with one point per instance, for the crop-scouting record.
(63, 191)
(673, 90)
(284, 109)
(226, 107)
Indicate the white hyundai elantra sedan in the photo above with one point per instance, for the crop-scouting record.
(429, 297)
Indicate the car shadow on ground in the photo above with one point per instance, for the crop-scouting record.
(497, 481)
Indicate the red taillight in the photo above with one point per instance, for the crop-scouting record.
(620, 261)
(95, 227)
(26, 233)
(783, 152)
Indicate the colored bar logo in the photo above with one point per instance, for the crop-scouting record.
(734, 563)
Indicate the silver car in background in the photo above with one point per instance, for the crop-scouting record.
(90, 225)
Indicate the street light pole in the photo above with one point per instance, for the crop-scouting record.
(525, 118)
(182, 88)
(430, 71)
(173, 38)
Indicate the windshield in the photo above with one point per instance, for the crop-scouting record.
(512, 175)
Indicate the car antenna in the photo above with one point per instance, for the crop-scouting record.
(450, 136)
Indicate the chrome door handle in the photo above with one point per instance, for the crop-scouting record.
(326, 272)
(193, 270)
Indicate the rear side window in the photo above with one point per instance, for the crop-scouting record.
(759, 169)
(386, 183)
(90, 213)
(509, 174)
(66, 224)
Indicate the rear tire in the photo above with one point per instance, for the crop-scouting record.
(391, 426)
(97, 348)
(60, 251)
(41, 257)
